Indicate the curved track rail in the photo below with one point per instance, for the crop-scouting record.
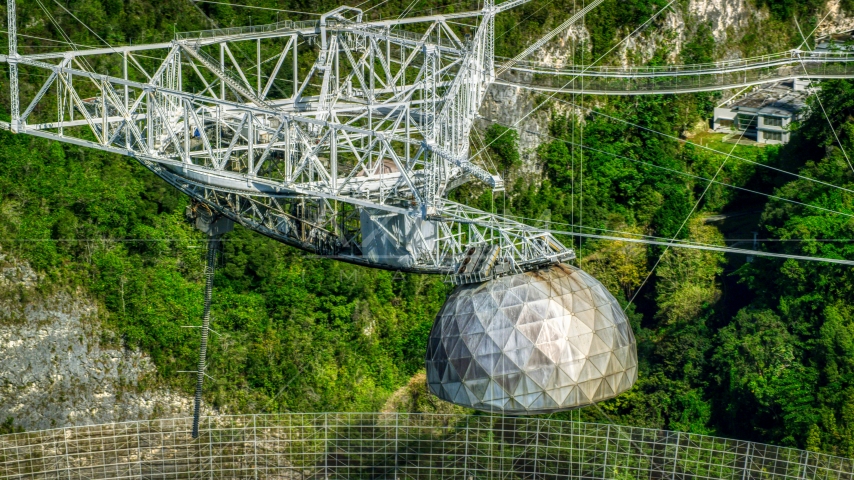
(389, 445)
(671, 79)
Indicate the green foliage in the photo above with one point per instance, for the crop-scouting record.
(759, 350)
(763, 354)
(8, 426)
(295, 333)
(701, 47)
(619, 16)
(786, 9)
(687, 279)
(786, 358)
(504, 144)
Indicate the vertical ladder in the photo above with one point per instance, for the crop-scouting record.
(213, 246)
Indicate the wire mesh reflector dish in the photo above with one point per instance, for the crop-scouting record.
(535, 342)
(401, 446)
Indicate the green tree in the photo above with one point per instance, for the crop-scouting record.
(504, 143)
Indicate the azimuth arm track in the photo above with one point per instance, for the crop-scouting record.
(792, 64)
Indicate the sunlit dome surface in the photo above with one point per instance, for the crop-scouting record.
(536, 342)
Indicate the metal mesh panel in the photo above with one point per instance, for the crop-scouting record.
(535, 342)
(401, 446)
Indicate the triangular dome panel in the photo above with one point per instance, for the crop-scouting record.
(531, 343)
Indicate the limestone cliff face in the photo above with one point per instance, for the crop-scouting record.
(55, 370)
(724, 15)
(837, 21)
(728, 20)
(507, 106)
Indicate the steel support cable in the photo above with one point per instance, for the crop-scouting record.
(642, 236)
(479, 138)
(801, 33)
(830, 124)
(703, 147)
(687, 217)
(85, 26)
(429, 9)
(689, 175)
(823, 111)
(362, 3)
(685, 174)
(375, 6)
(84, 62)
(545, 4)
(55, 23)
(451, 22)
(545, 38)
(707, 247)
(408, 9)
(47, 40)
(203, 14)
(678, 243)
(813, 30)
(636, 31)
(2, 60)
(254, 7)
(581, 151)
(683, 244)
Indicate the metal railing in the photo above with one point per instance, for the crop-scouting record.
(285, 25)
(789, 57)
(412, 446)
(677, 83)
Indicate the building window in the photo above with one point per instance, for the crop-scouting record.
(743, 122)
(772, 136)
(772, 121)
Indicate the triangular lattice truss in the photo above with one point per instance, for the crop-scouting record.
(539, 342)
(314, 132)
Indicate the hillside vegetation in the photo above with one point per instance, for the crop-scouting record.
(760, 350)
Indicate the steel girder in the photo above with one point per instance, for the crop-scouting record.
(315, 133)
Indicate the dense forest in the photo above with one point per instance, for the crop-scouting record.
(760, 350)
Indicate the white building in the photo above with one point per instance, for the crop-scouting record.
(764, 115)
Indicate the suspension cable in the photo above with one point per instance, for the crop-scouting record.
(636, 31)
(255, 8)
(695, 246)
(703, 147)
(684, 174)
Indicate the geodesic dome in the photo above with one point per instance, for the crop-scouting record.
(535, 342)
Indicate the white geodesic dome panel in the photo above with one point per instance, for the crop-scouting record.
(535, 342)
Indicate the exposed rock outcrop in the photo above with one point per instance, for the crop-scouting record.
(728, 21)
(837, 20)
(59, 368)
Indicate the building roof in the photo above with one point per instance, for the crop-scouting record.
(835, 42)
(779, 99)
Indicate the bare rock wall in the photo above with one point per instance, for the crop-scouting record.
(55, 370)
